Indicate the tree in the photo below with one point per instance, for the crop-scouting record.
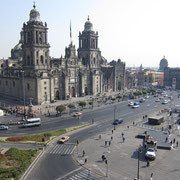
(71, 106)
(60, 109)
(82, 104)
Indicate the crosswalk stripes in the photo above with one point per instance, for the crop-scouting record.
(62, 149)
(81, 175)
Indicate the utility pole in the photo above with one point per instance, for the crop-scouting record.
(22, 73)
(139, 151)
(114, 113)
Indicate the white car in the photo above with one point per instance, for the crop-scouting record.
(150, 153)
(165, 102)
(130, 103)
(3, 127)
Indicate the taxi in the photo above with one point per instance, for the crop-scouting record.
(64, 139)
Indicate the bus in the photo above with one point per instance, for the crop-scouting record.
(32, 122)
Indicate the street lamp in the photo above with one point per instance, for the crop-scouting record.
(22, 72)
(139, 151)
(114, 113)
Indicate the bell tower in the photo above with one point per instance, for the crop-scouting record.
(88, 46)
(35, 43)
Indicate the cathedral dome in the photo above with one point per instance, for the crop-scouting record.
(88, 25)
(163, 64)
(34, 15)
(18, 47)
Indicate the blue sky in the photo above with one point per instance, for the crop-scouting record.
(137, 31)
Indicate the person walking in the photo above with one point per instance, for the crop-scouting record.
(105, 143)
(174, 140)
(111, 138)
(83, 153)
(109, 143)
(151, 176)
(122, 134)
(112, 131)
(166, 139)
(177, 143)
(123, 139)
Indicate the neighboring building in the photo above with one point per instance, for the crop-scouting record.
(163, 64)
(30, 69)
(172, 78)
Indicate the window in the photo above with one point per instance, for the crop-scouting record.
(13, 84)
(42, 61)
(37, 61)
(45, 93)
(45, 88)
(28, 86)
(44, 82)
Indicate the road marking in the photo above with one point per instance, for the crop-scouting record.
(126, 114)
(69, 173)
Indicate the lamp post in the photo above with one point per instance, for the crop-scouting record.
(139, 151)
(114, 113)
(22, 72)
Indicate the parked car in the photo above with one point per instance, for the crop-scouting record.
(64, 139)
(77, 114)
(150, 153)
(117, 121)
(3, 127)
(157, 100)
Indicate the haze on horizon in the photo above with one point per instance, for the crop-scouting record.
(136, 31)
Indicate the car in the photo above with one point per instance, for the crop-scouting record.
(77, 114)
(150, 153)
(142, 100)
(136, 105)
(117, 121)
(165, 102)
(130, 103)
(157, 100)
(64, 139)
(3, 127)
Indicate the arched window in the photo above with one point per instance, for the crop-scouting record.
(42, 60)
(28, 60)
(94, 60)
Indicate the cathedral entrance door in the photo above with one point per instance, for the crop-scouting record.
(72, 92)
(57, 95)
(86, 91)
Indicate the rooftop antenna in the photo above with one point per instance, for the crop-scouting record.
(34, 6)
(70, 33)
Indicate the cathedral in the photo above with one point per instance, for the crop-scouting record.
(31, 73)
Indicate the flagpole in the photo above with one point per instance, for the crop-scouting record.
(70, 33)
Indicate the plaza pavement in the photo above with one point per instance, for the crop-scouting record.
(122, 156)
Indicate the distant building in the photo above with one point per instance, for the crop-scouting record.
(163, 64)
(172, 78)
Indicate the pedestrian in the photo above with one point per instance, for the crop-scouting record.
(99, 136)
(177, 143)
(122, 134)
(83, 153)
(112, 131)
(171, 142)
(128, 127)
(123, 139)
(133, 123)
(148, 164)
(151, 176)
(105, 143)
(174, 140)
(109, 143)
(111, 138)
(85, 160)
(166, 139)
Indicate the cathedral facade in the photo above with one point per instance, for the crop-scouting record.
(31, 73)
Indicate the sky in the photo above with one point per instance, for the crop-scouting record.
(136, 31)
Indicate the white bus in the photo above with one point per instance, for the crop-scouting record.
(32, 122)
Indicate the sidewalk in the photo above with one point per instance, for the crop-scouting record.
(122, 156)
